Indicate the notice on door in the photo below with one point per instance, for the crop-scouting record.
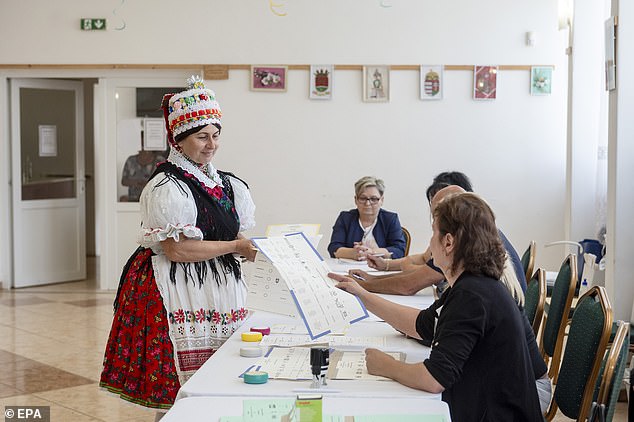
(48, 140)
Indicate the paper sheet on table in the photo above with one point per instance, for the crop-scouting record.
(345, 365)
(288, 329)
(311, 231)
(343, 265)
(299, 329)
(323, 307)
(292, 363)
(332, 341)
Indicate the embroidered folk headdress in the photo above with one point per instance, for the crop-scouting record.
(197, 106)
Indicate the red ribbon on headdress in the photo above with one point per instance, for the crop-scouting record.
(165, 105)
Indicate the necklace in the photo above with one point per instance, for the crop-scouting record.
(204, 168)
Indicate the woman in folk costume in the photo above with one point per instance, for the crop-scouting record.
(181, 294)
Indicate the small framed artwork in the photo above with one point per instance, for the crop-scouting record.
(376, 84)
(431, 82)
(321, 79)
(268, 78)
(485, 82)
(541, 80)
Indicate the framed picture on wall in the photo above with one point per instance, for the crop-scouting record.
(485, 82)
(376, 84)
(431, 82)
(321, 79)
(268, 78)
(541, 80)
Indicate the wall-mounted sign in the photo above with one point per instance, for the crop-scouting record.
(47, 140)
(154, 138)
(93, 24)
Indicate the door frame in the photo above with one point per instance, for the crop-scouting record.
(6, 186)
(76, 204)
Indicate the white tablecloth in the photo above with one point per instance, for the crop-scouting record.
(219, 376)
(210, 409)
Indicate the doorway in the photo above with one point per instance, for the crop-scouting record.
(50, 135)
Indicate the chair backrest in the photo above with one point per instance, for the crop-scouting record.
(535, 298)
(587, 341)
(552, 338)
(614, 368)
(528, 260)
(408, 239)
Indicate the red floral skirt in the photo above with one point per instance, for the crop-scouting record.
(139, 360)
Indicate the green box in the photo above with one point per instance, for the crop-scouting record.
(309, 408)
(93, 24)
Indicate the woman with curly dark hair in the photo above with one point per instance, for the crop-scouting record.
(480, 360)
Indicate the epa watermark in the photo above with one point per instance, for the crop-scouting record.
(27, 414)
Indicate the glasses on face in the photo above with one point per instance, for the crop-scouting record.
(371, 200)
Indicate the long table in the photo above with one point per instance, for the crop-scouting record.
(216, 389)
(219, 376)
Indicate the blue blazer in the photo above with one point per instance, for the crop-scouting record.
(387, 232)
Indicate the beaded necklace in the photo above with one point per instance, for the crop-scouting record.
(204, 168)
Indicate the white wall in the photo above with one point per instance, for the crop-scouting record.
(620, 247)
(302, 157)
(589, 129)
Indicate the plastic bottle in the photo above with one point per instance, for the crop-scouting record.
(583, 288)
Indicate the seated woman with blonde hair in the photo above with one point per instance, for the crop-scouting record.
(368, 229)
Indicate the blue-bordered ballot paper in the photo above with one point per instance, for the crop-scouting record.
(324, 308)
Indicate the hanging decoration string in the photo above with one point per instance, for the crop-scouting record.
(114, 13)
(273, 6)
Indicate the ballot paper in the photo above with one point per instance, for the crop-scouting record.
(288, 328)
(292, 363)
(267, 290)
(324, 308)
(349, 365)
(311, 231)
(331, 341)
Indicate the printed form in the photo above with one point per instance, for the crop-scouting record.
(324, 308)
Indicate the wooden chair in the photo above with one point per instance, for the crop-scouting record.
(534, 300)
(552, 336)
(528, 260)
(586, 345)
(612, 377)
(408, 240)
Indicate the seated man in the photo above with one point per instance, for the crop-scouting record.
(418, 271)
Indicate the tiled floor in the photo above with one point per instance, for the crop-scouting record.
(52, 340)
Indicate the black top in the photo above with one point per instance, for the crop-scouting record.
(480, 353)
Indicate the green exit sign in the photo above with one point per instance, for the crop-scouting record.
(92, 24)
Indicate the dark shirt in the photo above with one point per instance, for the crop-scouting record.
(480, 353)
(515, 259)
(387, 232)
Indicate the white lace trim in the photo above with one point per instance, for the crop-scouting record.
(151, 236)
(179, 160)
